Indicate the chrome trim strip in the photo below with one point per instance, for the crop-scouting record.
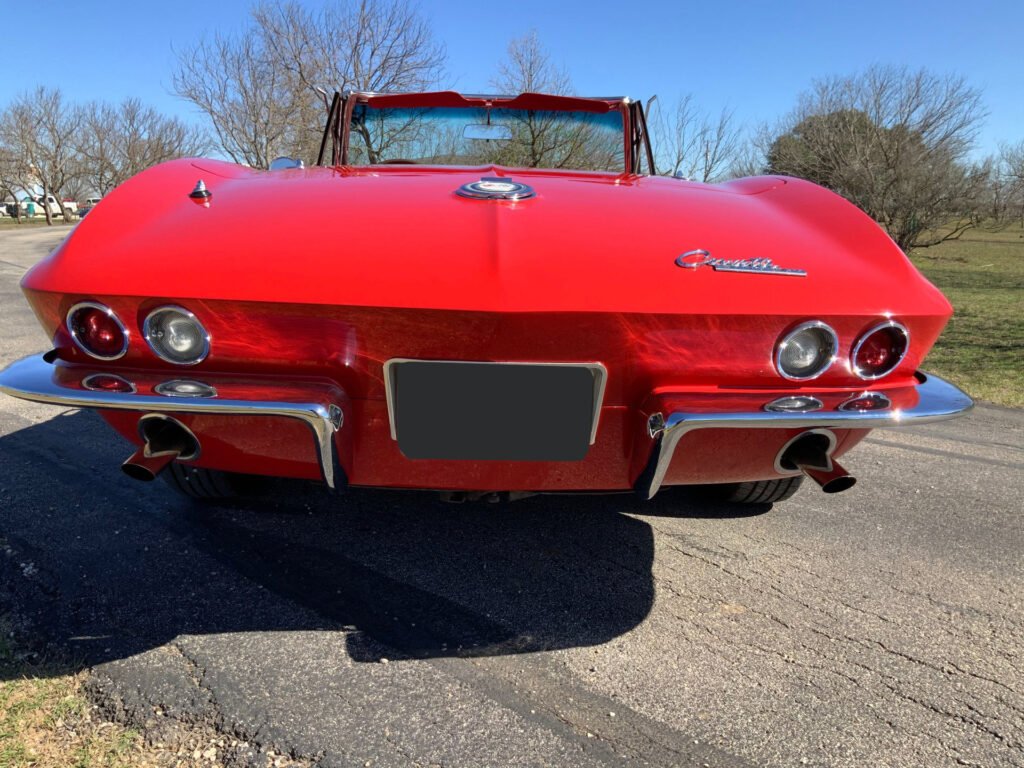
(191, 316)
(111, 314)
(32, 379)
(864, 336)
(777, 357)
(598, 369)
(937, 400)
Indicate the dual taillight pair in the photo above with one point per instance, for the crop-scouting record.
(172, 333)
(809, 349)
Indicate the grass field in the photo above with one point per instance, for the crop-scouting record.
(982, 348)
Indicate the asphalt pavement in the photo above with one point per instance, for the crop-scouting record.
(883, 626)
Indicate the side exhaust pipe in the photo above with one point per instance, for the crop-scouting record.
(811, 454)
(145, 466)
(164, 440)
(832, 479)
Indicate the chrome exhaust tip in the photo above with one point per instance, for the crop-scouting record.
(164, 440)
(811, 453)
(145, 466)
(833, 479)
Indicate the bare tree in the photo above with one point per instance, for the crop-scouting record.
(244, 97)
(13, 172)
(118, 142)
(893, 141)
(749, 159)
(548, 139)
(379, 46)
(40, 128)
(261, 90)
(692, 144)
(1008, 182)
(528, 69)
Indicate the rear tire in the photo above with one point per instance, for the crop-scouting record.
(199, 483)
(755, 492)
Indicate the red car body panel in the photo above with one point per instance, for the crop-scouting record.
(363, 265)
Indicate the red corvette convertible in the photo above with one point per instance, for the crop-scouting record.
(484, 295)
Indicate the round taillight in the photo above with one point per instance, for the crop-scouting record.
(880, 350)
(97, 331)
(806, 351)
(175, 335)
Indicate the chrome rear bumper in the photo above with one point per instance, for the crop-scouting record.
(318, 405)
(937, 400)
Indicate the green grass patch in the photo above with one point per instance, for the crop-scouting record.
(982, 348)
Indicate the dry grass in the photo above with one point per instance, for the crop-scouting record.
(46, 721)
(6, 222)
(982, 348)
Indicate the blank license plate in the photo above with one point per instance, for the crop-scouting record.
(493, 411)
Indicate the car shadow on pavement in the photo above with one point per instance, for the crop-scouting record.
(106, 567)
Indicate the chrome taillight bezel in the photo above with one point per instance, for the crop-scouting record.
(866, 335)
(147, 333)
(785, 337)
(109, 313)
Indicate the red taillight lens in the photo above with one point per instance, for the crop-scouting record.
(97, 331)
(107, 382)
(880, 350)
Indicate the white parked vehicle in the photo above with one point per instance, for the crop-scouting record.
(34, 206)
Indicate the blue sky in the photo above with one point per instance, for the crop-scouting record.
(752, 57)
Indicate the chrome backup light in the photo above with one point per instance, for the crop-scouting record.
(97, 331)
(794, 404)
(879, 350)
(175, 335)
(184, 388)
(806, 351)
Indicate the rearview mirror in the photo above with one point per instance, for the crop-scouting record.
(487, 132)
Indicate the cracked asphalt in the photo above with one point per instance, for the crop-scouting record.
(878, 627)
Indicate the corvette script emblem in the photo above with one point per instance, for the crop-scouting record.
(761, 266)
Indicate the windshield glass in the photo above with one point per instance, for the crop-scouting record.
(582, 141)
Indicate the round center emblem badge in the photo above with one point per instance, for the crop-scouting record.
(495, 189)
